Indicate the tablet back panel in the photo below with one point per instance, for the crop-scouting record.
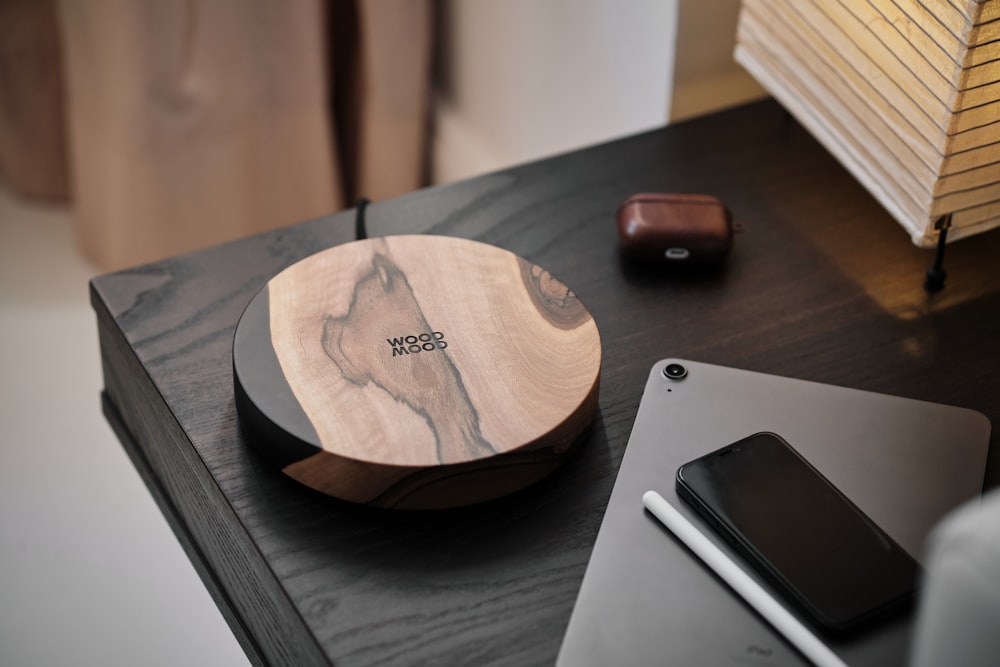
(645, 600)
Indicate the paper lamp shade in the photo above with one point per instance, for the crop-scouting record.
(905, 93)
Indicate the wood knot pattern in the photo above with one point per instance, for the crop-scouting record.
(553, 299)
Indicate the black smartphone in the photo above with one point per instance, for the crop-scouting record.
(800, 533)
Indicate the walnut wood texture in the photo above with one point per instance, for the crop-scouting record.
(822, 285)
(419, 372)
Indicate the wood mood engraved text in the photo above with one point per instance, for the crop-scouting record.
(434, 390)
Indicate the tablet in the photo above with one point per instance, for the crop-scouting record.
(645, 600)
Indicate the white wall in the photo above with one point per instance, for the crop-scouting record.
(524, 79)
(706, 77)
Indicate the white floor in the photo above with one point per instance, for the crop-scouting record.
(90, 573)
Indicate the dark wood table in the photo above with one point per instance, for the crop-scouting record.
(822, 285)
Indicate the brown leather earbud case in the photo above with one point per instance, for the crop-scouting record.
(674, 228)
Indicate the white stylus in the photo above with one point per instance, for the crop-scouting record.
(772, 611)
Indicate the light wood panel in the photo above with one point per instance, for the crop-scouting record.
(194, 123)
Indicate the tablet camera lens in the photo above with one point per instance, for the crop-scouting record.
(675, 371)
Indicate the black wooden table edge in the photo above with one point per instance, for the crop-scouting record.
(196, 496)
(216, 587)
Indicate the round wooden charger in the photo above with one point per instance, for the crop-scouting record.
(416, 371)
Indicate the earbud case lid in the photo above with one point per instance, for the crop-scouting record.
(674, 228)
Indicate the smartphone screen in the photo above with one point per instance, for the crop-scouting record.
(799, 532)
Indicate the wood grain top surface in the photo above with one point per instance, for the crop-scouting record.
(415, 352)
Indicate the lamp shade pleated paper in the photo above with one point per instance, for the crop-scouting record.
(905, 94)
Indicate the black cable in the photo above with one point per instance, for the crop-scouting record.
(934, 280)
(360, 231)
